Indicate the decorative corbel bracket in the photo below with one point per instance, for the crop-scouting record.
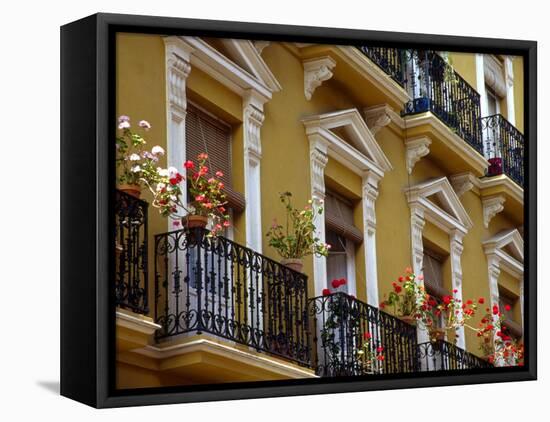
(316, 71)
(416, 149)
(462, 183)
(492, 205)
(377, 117)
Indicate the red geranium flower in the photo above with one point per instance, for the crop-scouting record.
(481, 301)
(507, 307)
(335, 283)
(446, 300)
(367, 336)
(188, 164)
(398, 289)
(326, 292)
(495, 310)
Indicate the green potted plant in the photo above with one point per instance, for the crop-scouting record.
(207, 200)
(135, 165)
(409, 301)
(297, 239)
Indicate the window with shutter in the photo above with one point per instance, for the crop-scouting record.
(206, 133)
(342, 235)
(433, 278)
(339, 217)
(337, 259)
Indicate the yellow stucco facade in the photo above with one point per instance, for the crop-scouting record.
(355, 83)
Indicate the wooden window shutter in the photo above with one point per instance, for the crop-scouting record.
(433, 274)
(204, 133)
(339, 218)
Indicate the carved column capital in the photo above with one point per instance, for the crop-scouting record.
(416, 148)
(316, 71)
(492, 205)
(318, 162)
(370, 193)
(253, 120)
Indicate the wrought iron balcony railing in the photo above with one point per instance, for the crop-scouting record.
(443, 356)
(390, 60)
(504, 147)
(131, 285)
(212, 285)
(341, 322)
(436, 87)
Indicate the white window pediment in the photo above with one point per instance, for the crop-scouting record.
(246, 54)
(227, 72)
(440, 203)
(361, 153)
(507, 245)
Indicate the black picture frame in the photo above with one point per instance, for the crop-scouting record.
(87, 114)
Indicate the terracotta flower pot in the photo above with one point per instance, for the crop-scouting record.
(437, 334)
(408, 319)
(132, 190)
(194, 221)
(295, 264)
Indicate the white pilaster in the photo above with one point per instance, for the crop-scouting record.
(370, 193)
(480, 84)
(253, 119)
(509, 80)
(494, 272)
(178, 67)
(417, 227)
(318, 160)
(456, 278)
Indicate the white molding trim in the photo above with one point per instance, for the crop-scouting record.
(509, 81)
(178, 66)
(246, 54)
(492, 205)
(451, 139)
(225, 71)
(457, 218)
(456, 224)
(318, 161)
(366, 159)
(416, 148)
(136, 323)
(498, 258)
(316, 71)
(253, 119)
(374, 74)
(512, 187)
(480, 84)
(363, 151)
(217, 348)
(370, 193)
(259, 45)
